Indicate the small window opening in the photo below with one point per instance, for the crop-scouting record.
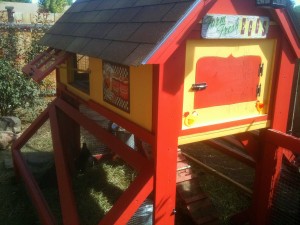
(81, 74)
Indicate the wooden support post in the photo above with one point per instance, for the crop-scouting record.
(267, 174)
(270, 156)
(67, 200)
(165, 184)
(71, 134)
(166, 112)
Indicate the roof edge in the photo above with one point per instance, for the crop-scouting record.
(171, 32)
(289, 31)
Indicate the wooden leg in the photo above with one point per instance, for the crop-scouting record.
(67, 200)
(267, 174)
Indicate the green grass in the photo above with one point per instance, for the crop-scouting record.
(15, 206)
(99, 187)
(226, 198)
(95, 191)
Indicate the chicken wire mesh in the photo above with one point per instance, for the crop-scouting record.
(94, 145)
(143, 215)
(286, 203)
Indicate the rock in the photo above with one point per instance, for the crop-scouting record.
(7, 138)
(10, 123)
(6, 159)
(8, 163)
(38, 159)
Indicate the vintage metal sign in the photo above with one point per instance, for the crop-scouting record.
(217, 26)
(116, 85)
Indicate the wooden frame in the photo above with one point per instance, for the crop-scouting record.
(58, 113)
(158, 175)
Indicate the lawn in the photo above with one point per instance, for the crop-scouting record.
(100, 186)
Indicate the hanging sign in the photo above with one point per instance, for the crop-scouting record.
(217, 26)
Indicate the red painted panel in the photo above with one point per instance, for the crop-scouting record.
(230, 80)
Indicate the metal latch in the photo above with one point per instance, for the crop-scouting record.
(199, 87)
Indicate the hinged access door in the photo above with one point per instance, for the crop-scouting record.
(229, 80)
(227, 85)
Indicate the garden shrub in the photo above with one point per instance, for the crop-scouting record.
(16, 90)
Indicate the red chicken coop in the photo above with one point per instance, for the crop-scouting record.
(170, 72)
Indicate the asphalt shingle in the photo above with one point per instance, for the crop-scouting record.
(122, 31)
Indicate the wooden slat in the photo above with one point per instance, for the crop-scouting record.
(32, 129)
(130, 156)
(231, 151)
(283, 140)
(43, 64)
(190, 191)
(131, 199)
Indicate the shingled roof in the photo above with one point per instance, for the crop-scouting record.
(122, 31)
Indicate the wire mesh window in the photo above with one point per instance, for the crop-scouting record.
(294, 117)
(295, 17)
(81, 73)
(286, 203)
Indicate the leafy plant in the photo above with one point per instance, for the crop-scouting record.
(25, 1)
(16, 90)
(19, 45)
(53, 6)
(8, 43)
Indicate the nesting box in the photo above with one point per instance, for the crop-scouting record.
(173, 72)
(224, 65)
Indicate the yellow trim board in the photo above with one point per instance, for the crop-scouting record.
(222, 132)
(78, 92)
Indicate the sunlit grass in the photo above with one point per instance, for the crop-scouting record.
(99, 187)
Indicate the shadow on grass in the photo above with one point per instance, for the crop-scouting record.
(15, 207)
(96, 192)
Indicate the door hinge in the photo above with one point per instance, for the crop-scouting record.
(261, 69)
(258, 90)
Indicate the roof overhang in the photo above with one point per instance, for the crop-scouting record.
(171, 41)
